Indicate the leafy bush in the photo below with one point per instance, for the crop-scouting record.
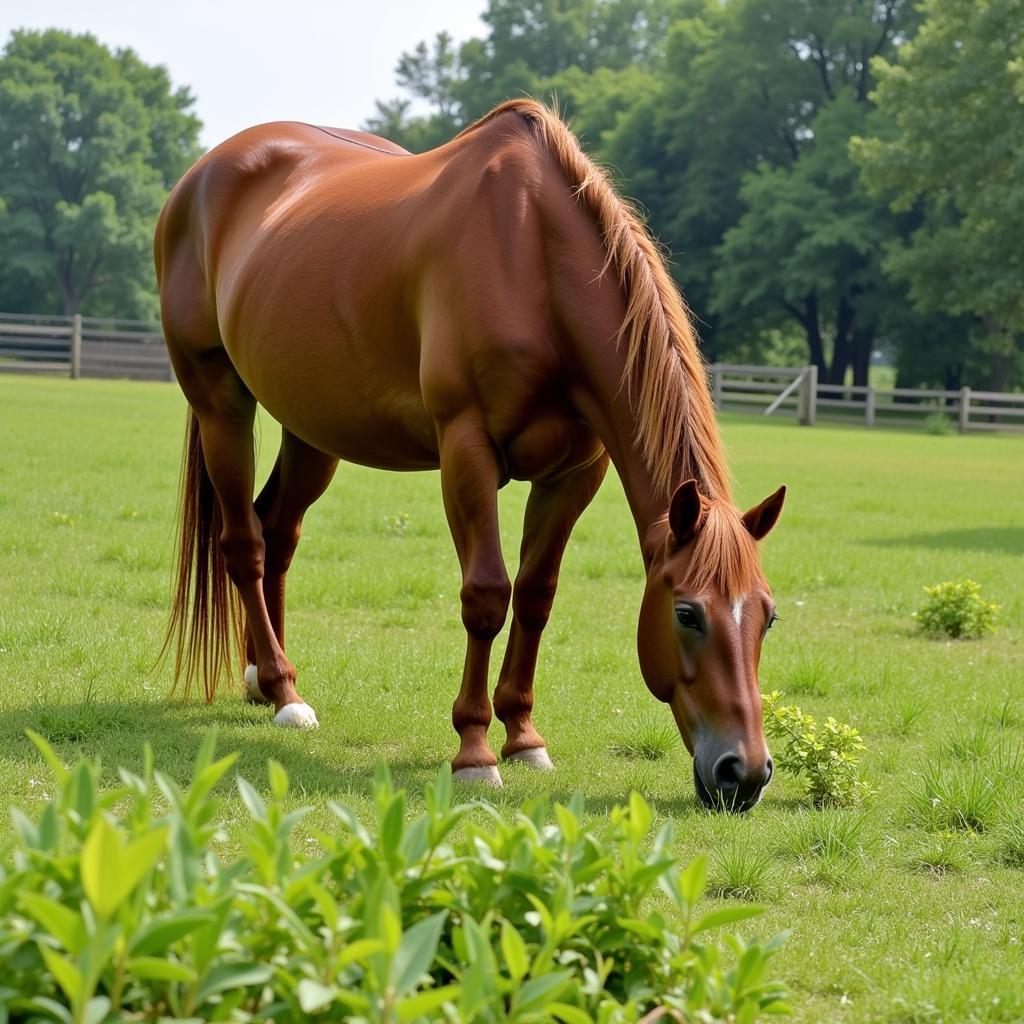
(827, 756)
(957, 610)
(938, 423)
(115, 906)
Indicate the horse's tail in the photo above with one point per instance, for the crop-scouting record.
(205, 629)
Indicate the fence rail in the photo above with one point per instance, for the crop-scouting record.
(83, 346)
(796, 390)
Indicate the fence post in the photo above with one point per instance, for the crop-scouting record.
(965, 409)
(809, 397)
(869, 407)
(76, 346)
(716, 385)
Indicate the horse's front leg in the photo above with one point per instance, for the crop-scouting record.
(469, 483)
(551, 512)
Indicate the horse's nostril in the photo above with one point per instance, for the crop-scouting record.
(727, 771)
(769, 770)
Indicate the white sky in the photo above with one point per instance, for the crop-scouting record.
(248, 61)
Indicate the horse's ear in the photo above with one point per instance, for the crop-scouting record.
(761, 518)
(684, 512)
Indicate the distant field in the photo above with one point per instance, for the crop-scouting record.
(891, 921)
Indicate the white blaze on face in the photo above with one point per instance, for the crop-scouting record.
(737, 611)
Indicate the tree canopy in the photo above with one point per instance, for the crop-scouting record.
(91, 140)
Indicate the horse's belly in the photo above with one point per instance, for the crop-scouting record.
(368, 418)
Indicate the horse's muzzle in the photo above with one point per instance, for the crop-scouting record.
(731, 784)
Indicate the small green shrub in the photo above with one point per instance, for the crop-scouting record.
(826, 755)
(957, 610)
(938, 423)
(115, 906)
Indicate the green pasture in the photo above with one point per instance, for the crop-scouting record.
(898, 911)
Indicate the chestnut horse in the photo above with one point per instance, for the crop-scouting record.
(490, 308)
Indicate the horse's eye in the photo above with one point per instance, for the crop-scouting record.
(771, 622)
(687, 617)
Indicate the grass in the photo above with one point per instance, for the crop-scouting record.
(897, 912)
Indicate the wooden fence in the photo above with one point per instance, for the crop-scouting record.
(769, 389)
(83, 346)
(78, 346)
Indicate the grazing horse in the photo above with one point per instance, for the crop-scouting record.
(490, 308)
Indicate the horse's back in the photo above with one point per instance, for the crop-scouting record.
(363, 291)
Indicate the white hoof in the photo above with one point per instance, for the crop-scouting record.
(253, 693)
(487, 774)
(296, 716)
(535, 757)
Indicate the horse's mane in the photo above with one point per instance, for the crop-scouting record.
(676, 431)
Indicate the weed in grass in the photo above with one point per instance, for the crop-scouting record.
(742, 871)
(960, 798)
(1010, 841)
(398, 524)
(829, 833)
(62, 519)
(945, 854)
(968, 742)
(647, 739)
(1005, 715)
(956, 610)
(809, 676)
(908, 711)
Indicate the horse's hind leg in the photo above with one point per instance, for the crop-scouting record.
(226, 410)
(551, 512)
(300, 475)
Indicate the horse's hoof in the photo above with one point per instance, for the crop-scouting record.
(487, 774)
(253, 693)
(296, 716)
(535, 757)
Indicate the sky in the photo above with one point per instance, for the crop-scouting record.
(254, 61)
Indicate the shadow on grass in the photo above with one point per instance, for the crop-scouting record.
(321, 764)
(995, 539)
(116, 731)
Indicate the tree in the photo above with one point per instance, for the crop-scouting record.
(742, 158)
(955, 161)
(90, 143)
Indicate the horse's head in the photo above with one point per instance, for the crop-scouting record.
(705, 612)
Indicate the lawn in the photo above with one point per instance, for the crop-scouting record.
(896, 913)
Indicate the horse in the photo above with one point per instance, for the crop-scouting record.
(493, 309)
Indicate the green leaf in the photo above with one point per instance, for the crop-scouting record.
(314, 996)
(253, 801)
(357, 951)
(112, 868)
(513, 949)
(163, 932)
(49, 755)
(416, 953)
(538, 992)
(154, 968)
(693, 879)
(569, 1014)
(278, 779)
(96, 1010)
(65, 973)
(57, 920)
(726, 915)
(231, 976)
(424, 1003)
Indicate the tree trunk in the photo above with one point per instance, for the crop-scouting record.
(841, 353)
(863, 341)
(812, 326)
